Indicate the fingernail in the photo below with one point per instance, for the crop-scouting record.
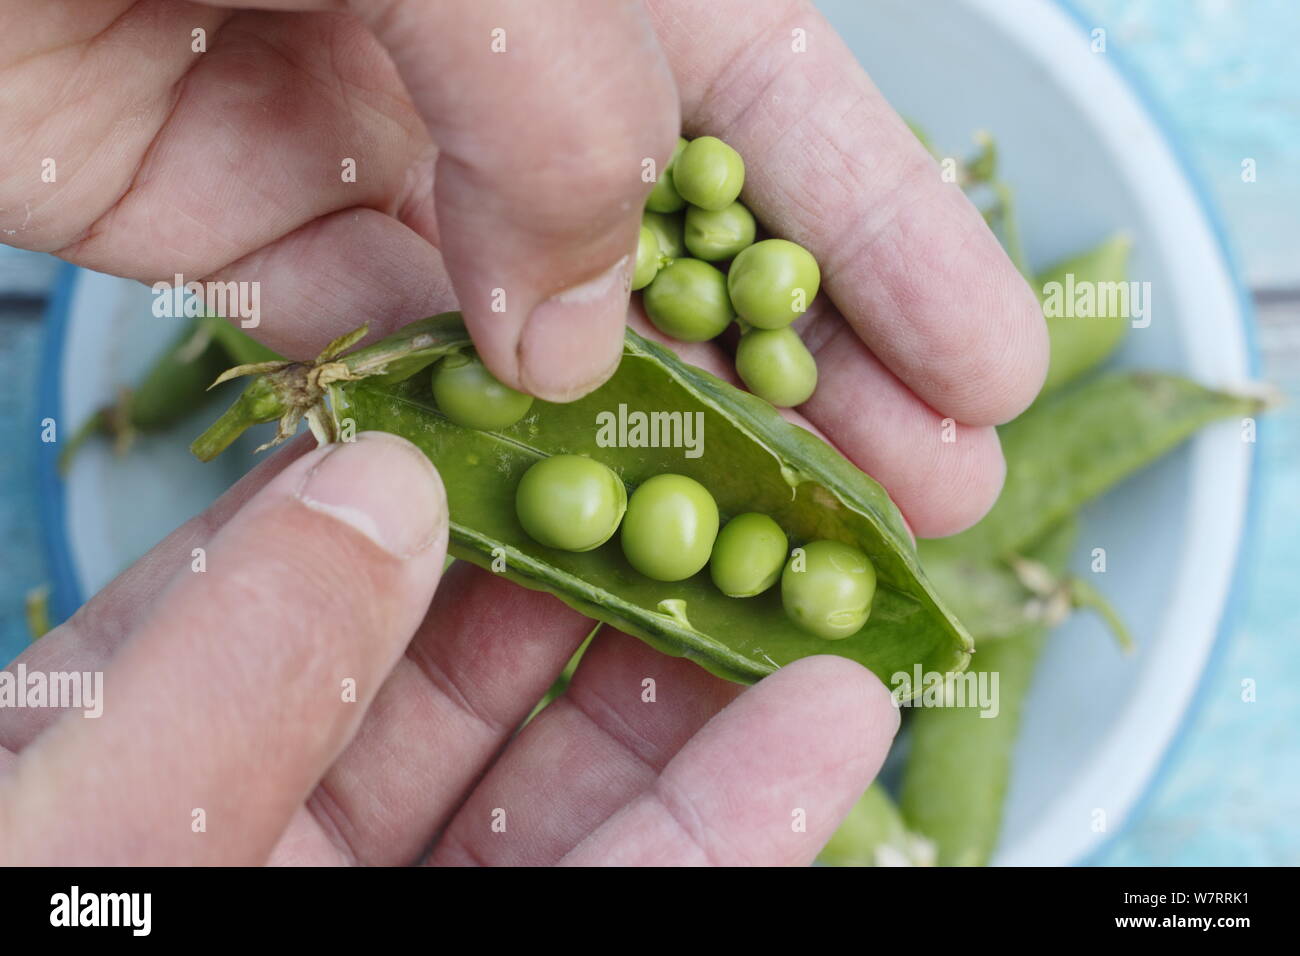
(572, 341)
(383, 487)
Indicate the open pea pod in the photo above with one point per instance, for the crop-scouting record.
(750, 459)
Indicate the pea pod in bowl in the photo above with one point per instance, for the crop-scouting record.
(735, 445)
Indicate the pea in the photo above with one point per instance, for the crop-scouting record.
(718, 234)
(471, 396)
(831, 596)
(647, 259)
(688, 300)
(775, 364)
(773, 282)
(709, 173)
(668, 229)
(748, 555)
(670, 528)
(570, 502)
(664, 196)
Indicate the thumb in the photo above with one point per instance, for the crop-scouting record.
(544, 116)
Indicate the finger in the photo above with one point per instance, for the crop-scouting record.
(543, 118)
(905, 257)
(486, 653)
(88, 640)
(338, 272)
(284, 118)
(247, 680)
(766, 782)
(587, 754)
(943, 475)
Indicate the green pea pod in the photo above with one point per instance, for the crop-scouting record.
(959, 762)
(561, 683)
(37, 608)
(982, 590)
(175, 384)
(1079, 343)
(923, 136)
(241, 347)
(752, 460)
(173, 387)
(1066, 451)
(874, 834)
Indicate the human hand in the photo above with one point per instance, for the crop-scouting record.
(225, 165)
(276, 707)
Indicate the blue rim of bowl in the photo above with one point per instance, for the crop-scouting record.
(1249, 530)
(65, 588)
(65, 593)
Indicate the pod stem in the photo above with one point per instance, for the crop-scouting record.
(222, 433)
(294, 391)
(111, 420)
(287, 391)
(265, 399)
(94, 425)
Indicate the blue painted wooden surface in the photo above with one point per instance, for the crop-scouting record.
(1228, 78)
(1226, 74)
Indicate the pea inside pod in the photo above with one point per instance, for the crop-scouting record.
(470, 395)
(670, 527)
(748, 555)
(570, 502)
(827, 590)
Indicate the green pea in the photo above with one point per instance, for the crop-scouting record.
(709, 173)
(831, 595)
(670, 527)
(773, 282)
(718, 234)
(748, 555)
(688, 300)
(775, 364)
(664, 196)
(471, 396)
(570, 502)
(648, 259)
(668, 229)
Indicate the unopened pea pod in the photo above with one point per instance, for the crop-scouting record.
(959, 762)
(1060, 454)
(749, 459)
(1067, 450)
(242, 348)
(175, 386)
(1082, 299)
(874, 834)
